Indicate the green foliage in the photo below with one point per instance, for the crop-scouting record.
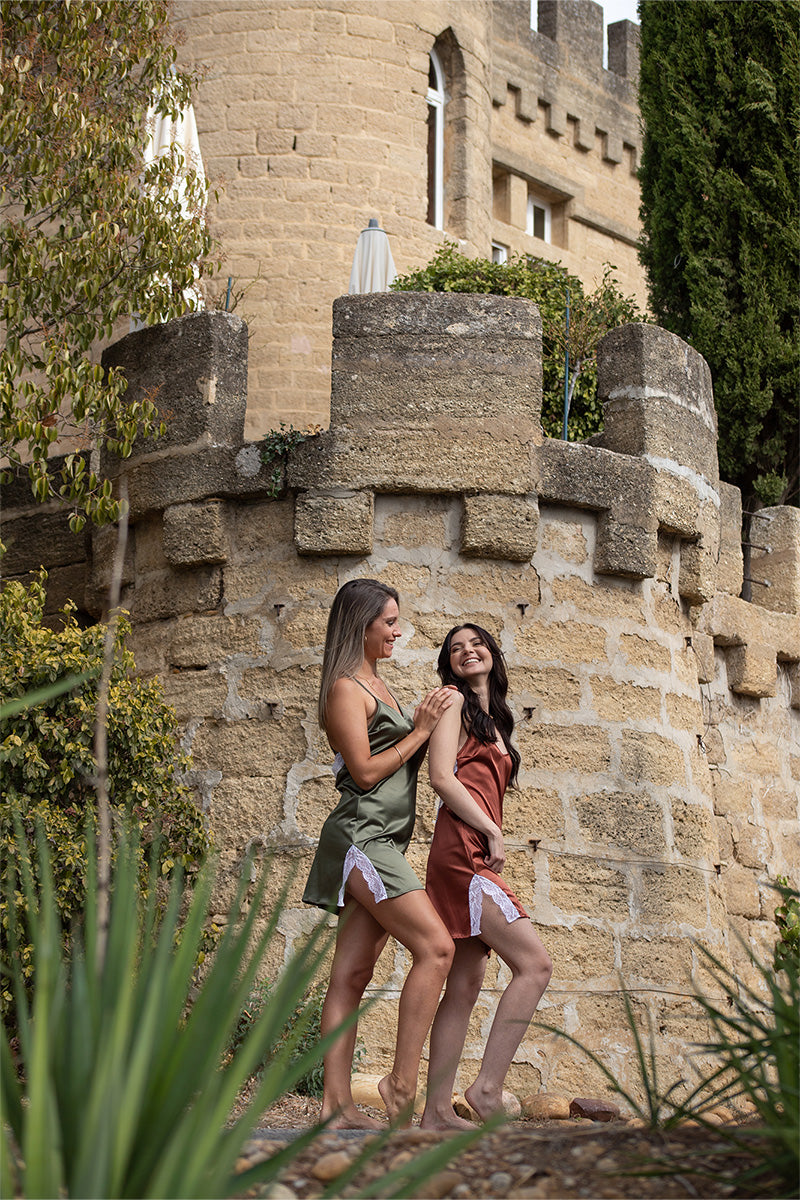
(89, 233)
(758, 1047)
(787, 918)
(308, 1013)
(124, 1089)
(123, 1085)
(720, 187)
(276, 447)
(47, 754)
(547, 283)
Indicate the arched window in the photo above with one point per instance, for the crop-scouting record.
(436, 103)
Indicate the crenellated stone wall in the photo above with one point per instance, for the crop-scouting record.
(657, 712)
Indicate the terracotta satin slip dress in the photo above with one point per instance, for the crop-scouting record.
(458, 877)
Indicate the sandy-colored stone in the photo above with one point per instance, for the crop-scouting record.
(331, 1166)
(548, 1106)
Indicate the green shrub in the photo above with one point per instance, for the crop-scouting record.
(47, 757)
(276, 446)
(547, 283)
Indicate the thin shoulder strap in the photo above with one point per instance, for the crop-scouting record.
(361, 685)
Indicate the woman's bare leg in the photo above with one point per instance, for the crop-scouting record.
(359, 942)
(414, 922)
(449, 1032)
(519, 946)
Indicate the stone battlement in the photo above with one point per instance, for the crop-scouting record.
(657, 712)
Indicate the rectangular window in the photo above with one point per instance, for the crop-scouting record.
(538, 224)
(499, 252)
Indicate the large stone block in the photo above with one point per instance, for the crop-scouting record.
(670, 896)
(174, 593)
(775, 570)
(730, 567)
(488, 457)
(325, 524)
(42, 539)
(419, 357)
(752, 670)
(632, 822)
(659, 403)
(499, 527)
(195, 369)
(195, 534)
(620, 489)
(580, 885)
(154, 483)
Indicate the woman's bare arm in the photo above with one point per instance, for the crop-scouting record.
(350, 709)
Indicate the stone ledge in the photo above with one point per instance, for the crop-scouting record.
(174, 477)
(416, 461)
(754, 639)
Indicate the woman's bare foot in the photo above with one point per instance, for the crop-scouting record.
(486, 1102)
(399, 1102)
(349, 1117)
(441, 1120)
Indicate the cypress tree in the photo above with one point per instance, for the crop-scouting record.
(719, 97)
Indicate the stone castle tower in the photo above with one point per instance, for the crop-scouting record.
(442, 118)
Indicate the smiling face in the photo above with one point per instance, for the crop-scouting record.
(382, 633)
(470, 657)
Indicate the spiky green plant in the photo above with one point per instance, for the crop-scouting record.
(119, 1087)
(755, 1047)
(660, 1109)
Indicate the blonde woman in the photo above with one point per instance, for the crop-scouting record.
(359, 869)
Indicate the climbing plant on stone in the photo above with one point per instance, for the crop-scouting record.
(90, 232)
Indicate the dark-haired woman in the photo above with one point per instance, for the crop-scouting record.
(359, 868)
(471, 762)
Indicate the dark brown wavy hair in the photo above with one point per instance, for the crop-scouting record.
(484, 726)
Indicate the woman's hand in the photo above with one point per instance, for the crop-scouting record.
(429, 711)
(496, 854)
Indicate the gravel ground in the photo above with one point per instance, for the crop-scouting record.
(523, 1159)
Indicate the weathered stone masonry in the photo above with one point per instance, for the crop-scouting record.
(657, 712)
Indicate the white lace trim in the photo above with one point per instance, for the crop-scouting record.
(479, 887)
(357, 858)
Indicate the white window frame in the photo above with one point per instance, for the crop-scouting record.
(535, 201)
(499, 252)
(436, 101)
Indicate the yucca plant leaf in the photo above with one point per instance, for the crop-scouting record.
(43, 1170)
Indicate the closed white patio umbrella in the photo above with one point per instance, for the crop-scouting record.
(373, 266)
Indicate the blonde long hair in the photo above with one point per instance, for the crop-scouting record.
(355, 606)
